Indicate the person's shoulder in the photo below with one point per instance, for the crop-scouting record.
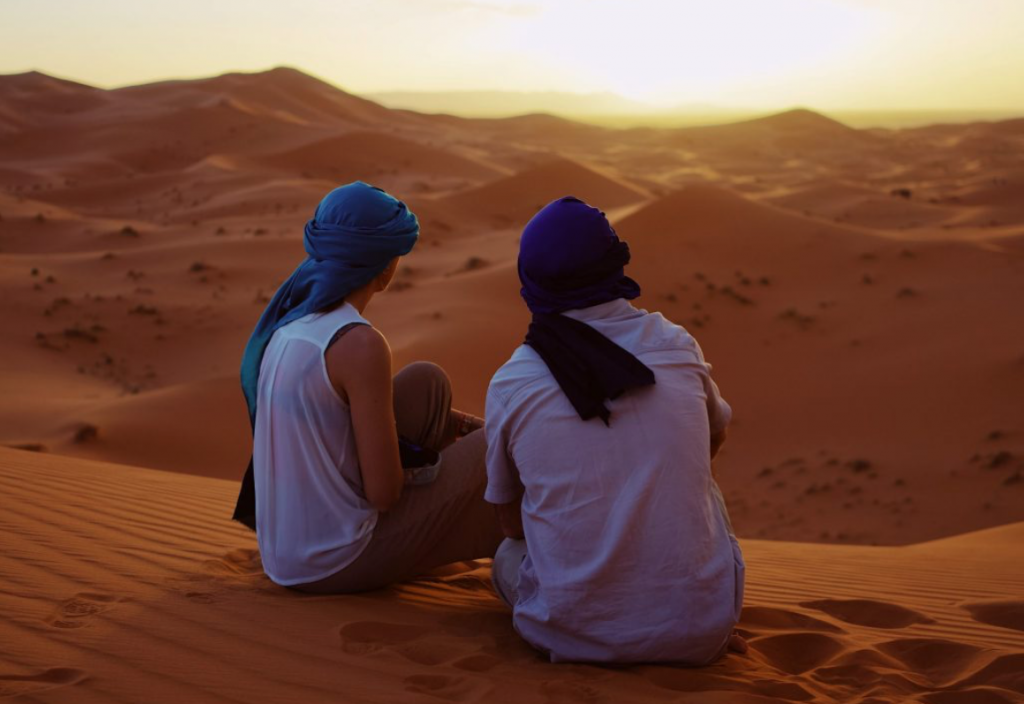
(512, 368)
(524, 366)
(659, 332)
(361, 347)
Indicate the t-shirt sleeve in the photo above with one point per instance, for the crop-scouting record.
(502, 475)
(719, 412)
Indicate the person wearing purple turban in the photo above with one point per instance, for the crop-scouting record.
(601, 429)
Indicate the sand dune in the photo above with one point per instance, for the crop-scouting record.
(551, 131)
(992, 200)
(131, 283)
(33, 94)
(860, 206)
(798, 315)
(512, 200)
(284, 93)
(128, 584)
(791, 131)
(722, 226)
(371, 155)
(833, 311)
(122, 430)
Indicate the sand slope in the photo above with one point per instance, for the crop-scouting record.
(367, 154)
(124, 584)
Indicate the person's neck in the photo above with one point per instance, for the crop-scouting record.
(360, 298)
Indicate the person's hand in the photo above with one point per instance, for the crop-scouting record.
(467, 423)
(738, 644)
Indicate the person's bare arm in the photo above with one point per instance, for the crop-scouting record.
(359, 366)
(466, 423)
(715, 414)
(503, 480)
(717, 440)
(510, 518)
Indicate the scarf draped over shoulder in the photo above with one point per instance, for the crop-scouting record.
(570, 258)
(355, 232)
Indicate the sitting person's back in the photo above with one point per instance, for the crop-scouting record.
(628, 554)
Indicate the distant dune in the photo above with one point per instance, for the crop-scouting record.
(613, 110)
(513, 199)
(855, 289)
(369, 155)
(497, 103)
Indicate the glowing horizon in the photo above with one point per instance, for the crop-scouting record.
(744, 54)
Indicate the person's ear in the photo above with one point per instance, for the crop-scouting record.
(384, 278)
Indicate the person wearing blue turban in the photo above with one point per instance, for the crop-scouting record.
(601, 429)
(356, 479)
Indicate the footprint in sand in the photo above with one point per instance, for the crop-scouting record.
(865, 612)
(796, 653)
(78, 610)
(365, 637)
(490, 631)
(411, 643)
(787, 691)
(556, 692)
(783, 619)
(862, 668)
(495, 624)
(683, 679)
(980, 695)
(1005, 672)
(20, 685)
(448, 688)
(967, 674)
(201, 597)
(477, 663)
(940, 661)
(237, 563)
(1005, 614)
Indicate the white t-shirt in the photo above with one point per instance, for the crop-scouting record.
(311, 517)
(629, 558)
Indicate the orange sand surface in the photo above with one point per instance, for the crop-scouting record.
(127, 584)
(860, 294)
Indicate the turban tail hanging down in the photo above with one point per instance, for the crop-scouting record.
(571, 258)
(355, 233)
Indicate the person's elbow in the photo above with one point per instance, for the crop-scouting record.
(384, 498)
(717, 440)
(720, 437)
(515, 533)
(511, 523)
(510, 520)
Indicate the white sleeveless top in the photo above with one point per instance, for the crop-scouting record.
(311, 517)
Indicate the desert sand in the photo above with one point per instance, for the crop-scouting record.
(857, 291)
(128, 584)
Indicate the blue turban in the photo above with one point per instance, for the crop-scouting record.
(570, 258)
(355, 233)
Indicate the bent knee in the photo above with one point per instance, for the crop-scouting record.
(423, 373)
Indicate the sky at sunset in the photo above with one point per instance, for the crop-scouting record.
(831, 54)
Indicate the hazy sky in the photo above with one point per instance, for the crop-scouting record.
(847, 54)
